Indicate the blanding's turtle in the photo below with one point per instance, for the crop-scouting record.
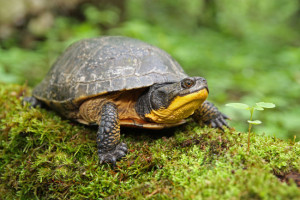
(118, 81)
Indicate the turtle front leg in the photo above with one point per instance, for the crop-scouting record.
(108, 136)
(208, 114)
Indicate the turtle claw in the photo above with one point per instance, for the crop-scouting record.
(122, 147)
(224, 117)
(113, 155)
(219, 122)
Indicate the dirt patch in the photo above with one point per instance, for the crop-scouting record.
(295, 176)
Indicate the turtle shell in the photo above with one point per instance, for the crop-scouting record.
(96, 66)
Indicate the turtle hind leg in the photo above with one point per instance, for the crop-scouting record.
(34, 102)
(108, 136)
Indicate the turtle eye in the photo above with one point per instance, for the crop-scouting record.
(187, 83)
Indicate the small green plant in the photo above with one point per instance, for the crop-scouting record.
(259, 106)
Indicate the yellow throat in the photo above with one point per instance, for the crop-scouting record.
(180, 108)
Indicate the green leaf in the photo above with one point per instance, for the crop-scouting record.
(239, 106)
(258, 108)
(265, 105)
(255, 122)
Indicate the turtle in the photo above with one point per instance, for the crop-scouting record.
(114, 81)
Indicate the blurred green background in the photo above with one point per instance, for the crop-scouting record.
(247, 50)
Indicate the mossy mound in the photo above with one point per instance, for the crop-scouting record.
(43, 156)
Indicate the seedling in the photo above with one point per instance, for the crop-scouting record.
(259, 106)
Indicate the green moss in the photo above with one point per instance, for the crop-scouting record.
(44, 156)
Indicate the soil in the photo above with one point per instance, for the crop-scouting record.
(295, 176)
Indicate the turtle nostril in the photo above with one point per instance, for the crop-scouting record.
(203, 80)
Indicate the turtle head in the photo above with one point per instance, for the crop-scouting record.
(172, 102)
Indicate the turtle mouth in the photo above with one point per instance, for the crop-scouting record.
(199, 94)
(201, 88)
(195, 91)
(206, 89)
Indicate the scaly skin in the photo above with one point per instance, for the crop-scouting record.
(108, 136)
(208, 114)
(33, 102)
